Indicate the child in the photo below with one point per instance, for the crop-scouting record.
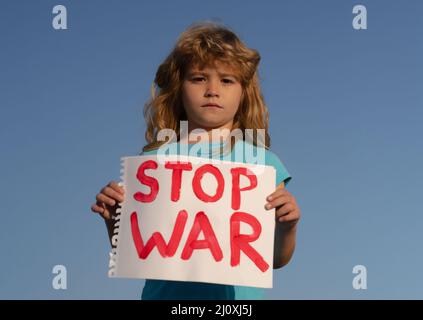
(210, 80)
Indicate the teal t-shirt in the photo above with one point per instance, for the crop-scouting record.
(182, 290)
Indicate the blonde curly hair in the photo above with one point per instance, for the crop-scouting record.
(202, 44)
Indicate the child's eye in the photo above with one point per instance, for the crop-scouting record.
(227, 81)
(197, 79)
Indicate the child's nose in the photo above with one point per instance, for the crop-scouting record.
(210, 93)
(211, 90)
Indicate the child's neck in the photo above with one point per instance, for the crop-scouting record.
(208, 134)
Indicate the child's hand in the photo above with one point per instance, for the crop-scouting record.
(287, 210)
(107, 200)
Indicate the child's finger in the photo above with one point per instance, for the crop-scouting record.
(113, 194)
(101, 197)
(285, 210)
(97, 209)
(277, 202)
(288, 218)
(106, 214)
(277, 193)
(115, 186)
(100, 209)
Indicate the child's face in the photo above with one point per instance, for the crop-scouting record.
(217, 85)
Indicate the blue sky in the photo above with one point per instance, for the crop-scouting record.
(345, 118)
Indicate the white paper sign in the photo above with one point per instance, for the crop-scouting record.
(195, 219)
